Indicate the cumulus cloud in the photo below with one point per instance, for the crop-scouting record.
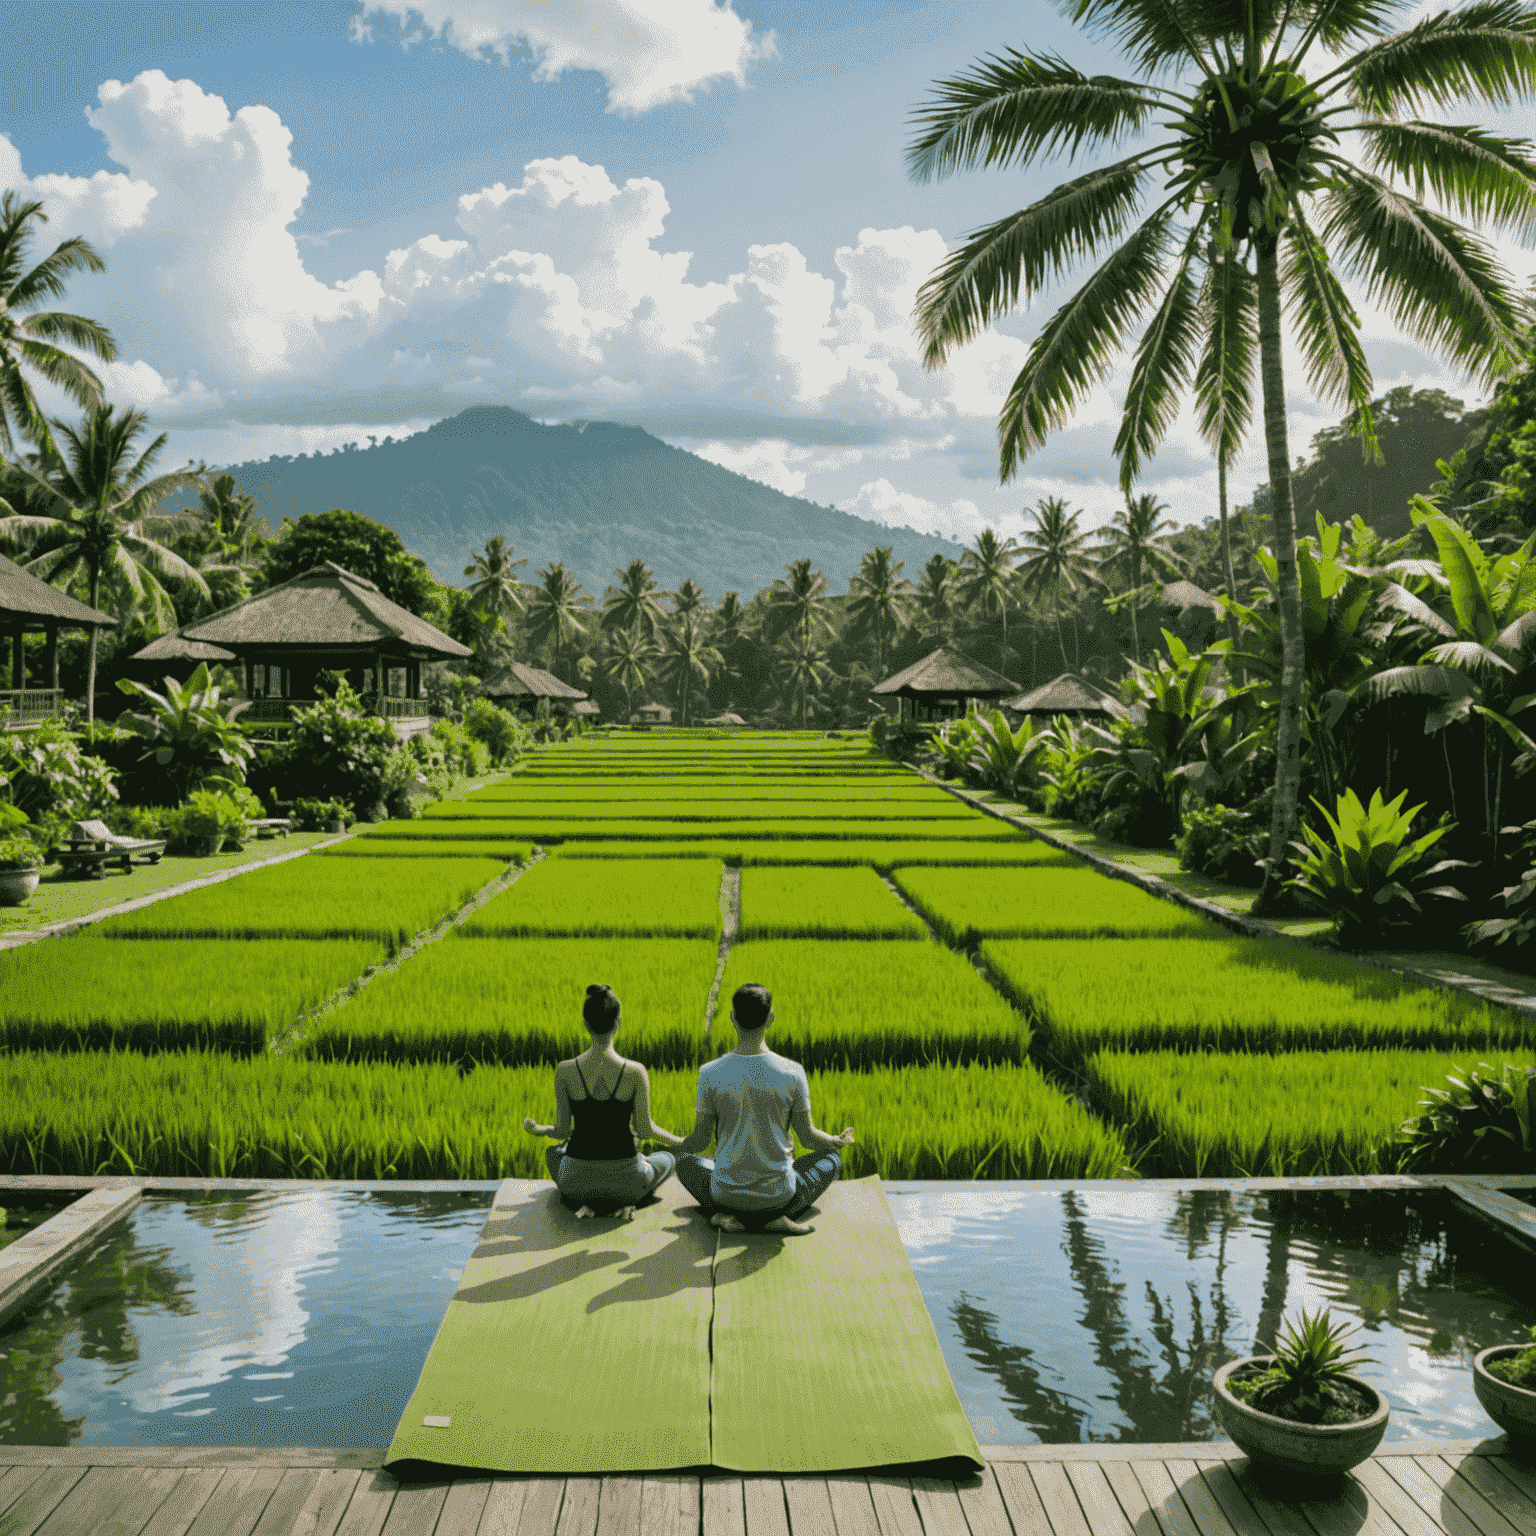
(649, 51)
(881, 502)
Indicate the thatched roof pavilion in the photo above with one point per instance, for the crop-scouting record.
(1185, 594)
(326, 618)
(519, 686)
(29, 604)
(1067, 695)
(175, 656)
(942, 685)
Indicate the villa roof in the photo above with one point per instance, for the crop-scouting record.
(324, 608)
(1185, 594)
(25, 594)
(1066, 695)
(517, 680)
(947, 673)
(176, 647)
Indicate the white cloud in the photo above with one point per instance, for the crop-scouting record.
(649, 51)
(881, 502)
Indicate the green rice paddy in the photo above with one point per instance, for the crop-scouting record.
(1031, 1018)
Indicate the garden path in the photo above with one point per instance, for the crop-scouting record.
(1409, 1489)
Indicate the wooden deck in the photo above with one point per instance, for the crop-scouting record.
(1413, 1489)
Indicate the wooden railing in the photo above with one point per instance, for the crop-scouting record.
(392, 708)
(30, 706)
(280, 711)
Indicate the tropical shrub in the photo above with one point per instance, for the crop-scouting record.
(317, 815)
(1519, 920)
(1008, 760)
(1370, 870)
(1223, 842)
(208, 813)
(1481, 1123)
(18, 851)
(186, 735)
(466, 755)
(47, 774)
(337, 751)
(502, 734)
(1305, 1381)
(1072, 771)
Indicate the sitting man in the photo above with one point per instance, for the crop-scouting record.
(748, 1100)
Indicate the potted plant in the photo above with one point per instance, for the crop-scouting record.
(20, 862)
(1299, 1411)
(207, 820)
(1504, 1379)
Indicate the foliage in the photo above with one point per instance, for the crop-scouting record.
(1256, 995)
(1368, 869)
(1516, 926)
(504, 737)
(822, 904)
(679, 900)
(1309, 1364)
(465, 1003)
(1072, 773)
(879, 598)
(313, 899)
(357, 544)
(163, 994)
(18, 851)
(208, 813)
(336, 751)
(554, 608)
(850, 1004)
(1054, 555)
(187, 735)
(1008, 760)
(1221, 841)
(1481, 1123)
(465, 753)
(1297, 1114)
(496, 591)
(318, 815)
(1136, 546)
(1518, 1370)
(634, 606)
(46, 773)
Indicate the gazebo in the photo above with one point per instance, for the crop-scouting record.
(326, 618)
(175, 656)
(942, 685)
(1067, 695)
(654, 714)
(28, 604)
(1192, 611)
(519, 686)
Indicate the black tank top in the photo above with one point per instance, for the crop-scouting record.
(603, 1130)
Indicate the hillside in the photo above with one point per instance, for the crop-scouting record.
(593, 494)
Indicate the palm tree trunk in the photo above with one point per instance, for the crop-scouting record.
(90, 666)
(1061, 639)
(1292, 638)
(1227, 572)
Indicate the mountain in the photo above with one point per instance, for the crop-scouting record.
(593, 494)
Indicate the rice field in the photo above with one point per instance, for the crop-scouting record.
(1030, 1019)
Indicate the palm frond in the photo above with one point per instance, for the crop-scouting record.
(162, 561)
(88, 335)
(1164, 361)
(1328, 329)
(1079, 344)
(1466, 656)
(1014, 107)
(1421, 682)
(1486, 49)
(1337, 22)
(1160, 34)
(1224, 377)
(1483, 177)
(1441, 283)
(69, 373)
(1403, 601)
(46, 279)
(147, 497)
(1017, 255)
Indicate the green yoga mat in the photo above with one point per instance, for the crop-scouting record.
(583, 1347)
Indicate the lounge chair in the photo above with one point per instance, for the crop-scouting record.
(91, 847)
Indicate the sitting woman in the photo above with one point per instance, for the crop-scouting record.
(610, 1101)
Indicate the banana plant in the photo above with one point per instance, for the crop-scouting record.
(187, 733)
(1007, 760)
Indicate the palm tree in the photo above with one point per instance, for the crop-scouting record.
(688, 599)
(798, 605)
(635, 604)
(28, 342)
(936, 593)
(495, 589)
(99, 502)
(802, 669)
(230, 521)
(1254, 169)
(730, 620)
(1055, 555)
(881, 598)
(552, 613)
(1134, 544)
(988, 581)
(628, 658)
(687, 657)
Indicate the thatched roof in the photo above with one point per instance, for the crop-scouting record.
(176, 647)
(585, 707)
(655, 714)
(1066, 695)
(947, 674)
(728, 718)
(23, 594)
(325, 608)
(519, 681)
(1185, 594)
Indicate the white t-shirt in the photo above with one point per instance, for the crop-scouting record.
(752, 1099)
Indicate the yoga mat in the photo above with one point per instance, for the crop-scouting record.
(825, 1358)
(575, 1346)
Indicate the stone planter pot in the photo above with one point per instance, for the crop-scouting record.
(206, 847)
(16, 885)
(336, 826)
(1297, 1450)
(1512, 1408)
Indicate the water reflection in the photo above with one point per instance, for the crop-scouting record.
(1168, 1286)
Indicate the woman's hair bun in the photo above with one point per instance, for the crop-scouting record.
(601, 1009)
(598, 989)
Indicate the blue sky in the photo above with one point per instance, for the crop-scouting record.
(330, 220)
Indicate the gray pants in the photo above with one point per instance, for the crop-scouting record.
(613, 1181)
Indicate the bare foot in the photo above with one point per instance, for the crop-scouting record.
(627, 1214)
(725, 1222)
(585, 1211)
(784, 1224)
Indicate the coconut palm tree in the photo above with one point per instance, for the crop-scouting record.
(687, 658)
(880, 599)
(936, 593)
(1055, 555)
(495, 590)
(635, 604)
(1134, 545)
(99, 499)
(689, 600)
(797, 605)
(628, 658)
(554, 609)
(802, 670)
(987, 580)
(26, 339)
(1252, 166)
